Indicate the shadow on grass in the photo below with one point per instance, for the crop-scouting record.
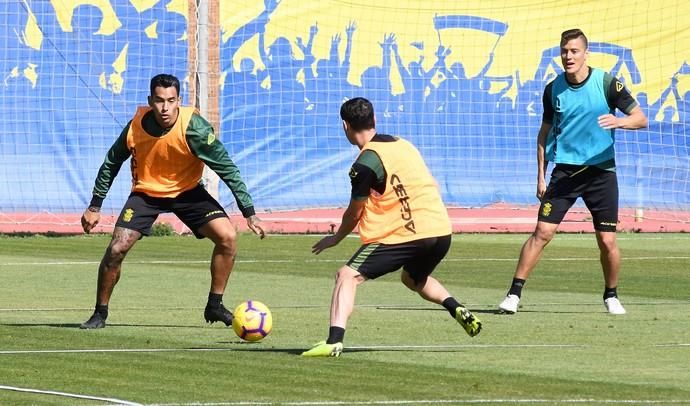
(259, 348)
(549, 311)
(546, 310)
(58, 325)
(292, 351)
(76, 325)
(429, 309)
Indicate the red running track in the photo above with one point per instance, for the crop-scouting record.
(493, 219)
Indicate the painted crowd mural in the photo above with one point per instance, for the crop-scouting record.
(463, 82)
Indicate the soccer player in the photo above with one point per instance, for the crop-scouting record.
(168, 145)
(579, 108)
(402, 223)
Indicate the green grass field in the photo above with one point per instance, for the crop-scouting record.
(561, 348)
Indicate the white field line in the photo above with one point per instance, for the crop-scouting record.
(450, 346)
(69, 395)
(283, 261)
(456, 220)
(521, 236)
(376, 306)
(112, 350)
(357, 348)
(353, 348)
(438, 402)
(673, 345)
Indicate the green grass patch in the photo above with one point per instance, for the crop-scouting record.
(561, 346)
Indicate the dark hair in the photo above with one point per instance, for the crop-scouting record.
(358, 113)
(567, 35)
(164, 80)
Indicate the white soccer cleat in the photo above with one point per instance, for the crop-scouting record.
(509, 305)
(614, 306)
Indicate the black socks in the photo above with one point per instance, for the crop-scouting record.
(610, 292)
(335, 335)
(516, 287)
(451, 304)
(214, 300)
(102, 310)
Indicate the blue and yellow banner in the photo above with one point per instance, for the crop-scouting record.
(462, 80)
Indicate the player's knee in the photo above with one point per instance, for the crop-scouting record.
(225, 238)
(608, 244)
(408, 281)
(227, 243)
(543, 235)
(116, 253)
(341, 274)
(346, 274)
(221, 232)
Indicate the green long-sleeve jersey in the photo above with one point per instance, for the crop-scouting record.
(203, 144)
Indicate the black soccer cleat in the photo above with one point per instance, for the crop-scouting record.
(220, 313)
(95, 321)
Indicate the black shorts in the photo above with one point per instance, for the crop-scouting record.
(597, 187)
(419, 258)
(194, 207)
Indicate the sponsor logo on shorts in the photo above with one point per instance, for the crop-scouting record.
(213, 213)
(127, 215)
(607, 223)
(546, 209)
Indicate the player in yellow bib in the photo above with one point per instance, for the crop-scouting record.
(168, 145)
(402, 221)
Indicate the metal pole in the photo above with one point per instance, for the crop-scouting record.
(202, 56)
(210, 179)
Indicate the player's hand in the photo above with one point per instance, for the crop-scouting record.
(90, 219)
(608, 122)
(325, 243)
(253, 223)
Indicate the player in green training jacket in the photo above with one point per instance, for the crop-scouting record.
(168, 145)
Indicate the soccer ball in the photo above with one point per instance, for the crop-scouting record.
(252, 321)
